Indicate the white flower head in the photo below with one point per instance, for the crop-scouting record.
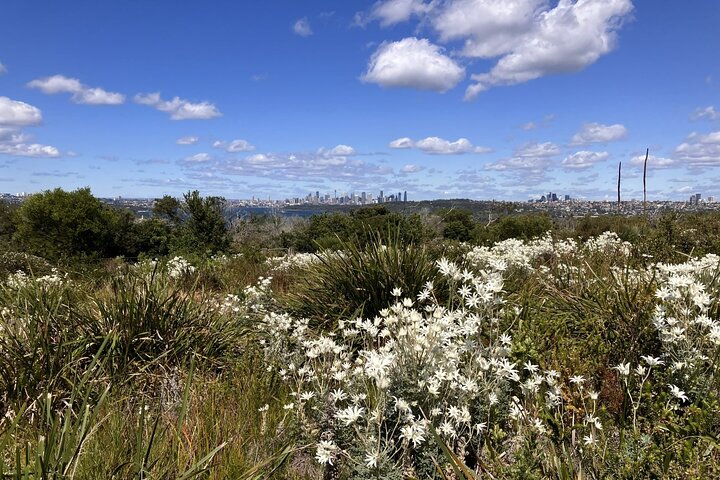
(326, 452)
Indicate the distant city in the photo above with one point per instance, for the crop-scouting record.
(553, 203)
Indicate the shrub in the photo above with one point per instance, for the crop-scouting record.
(358, 281)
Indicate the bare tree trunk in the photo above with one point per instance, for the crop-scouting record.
(619, 175)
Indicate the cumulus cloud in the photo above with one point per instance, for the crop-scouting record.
(3, 70)
(234, 146)
(530, 38)
(653, 161)
(189, 140)
(584, 159)
(489, 27)
(598, 133)
(178, 108)
(14, 142)
(700, 150)
(706, 113)
(390, 12)
(80, 93)
(29, 150)
(413, 63)
(439, 146)
(18, 114)
(302, 27)
(341, 149)
(535, 41)
(403, 142)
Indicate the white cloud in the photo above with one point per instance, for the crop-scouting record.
(653, 161)
(178, 108)
(529, 163)
(563, 39)
(439, 146)
(302, 27)
(489, 27)
(18, 114)
(411, 168)
(534, 149)
(342, 150)
(413, 63)
(529, 126)
(14, 142)
(390, 12)
(707, 113)
(234, 146)
(403, 142)
(700, 150)
(199, 158)
(321, 164)
(98, 96)
(584, 159)
(3, 70)
(29, 150)
(189, 140)
(80, 93)
(598, 133)
(56, 84)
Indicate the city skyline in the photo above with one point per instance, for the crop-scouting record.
(475, 99)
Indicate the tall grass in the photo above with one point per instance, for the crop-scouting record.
(358, 281)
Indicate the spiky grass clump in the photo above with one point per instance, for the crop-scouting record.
(359, 281)
(150, 318)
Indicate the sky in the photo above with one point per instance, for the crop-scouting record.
(479, 99)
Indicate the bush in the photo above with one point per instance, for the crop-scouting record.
(58, 224)
(358, 281)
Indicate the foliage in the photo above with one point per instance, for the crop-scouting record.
(399, 354)
(167, 208)
(358, 280)
(204, 230)
(57, 224)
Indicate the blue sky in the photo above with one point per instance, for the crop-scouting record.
(481, 99)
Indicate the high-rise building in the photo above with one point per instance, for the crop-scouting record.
(405, 196)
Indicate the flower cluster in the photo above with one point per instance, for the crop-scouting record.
(178, 267)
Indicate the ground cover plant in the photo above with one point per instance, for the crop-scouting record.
(381, 357)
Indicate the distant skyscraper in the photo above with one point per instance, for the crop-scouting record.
(405, 196)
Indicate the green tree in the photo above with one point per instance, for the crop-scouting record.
(167, 208)
(8, 222)
(458, 224)
(57, 224)
(204, 230)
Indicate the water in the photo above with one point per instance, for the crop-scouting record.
(240, 212)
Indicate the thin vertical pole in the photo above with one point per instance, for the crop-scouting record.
(619, 175)
(647, 153)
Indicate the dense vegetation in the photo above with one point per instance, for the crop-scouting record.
(363, 345)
